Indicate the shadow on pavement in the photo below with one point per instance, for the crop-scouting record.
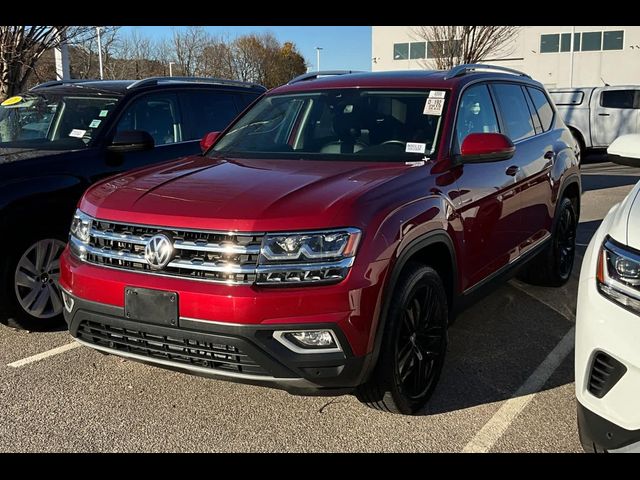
(598, 182)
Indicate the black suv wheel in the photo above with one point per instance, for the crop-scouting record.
(414, 344)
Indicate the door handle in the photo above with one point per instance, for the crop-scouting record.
(604, 114)
(550, 155)
(512, 170)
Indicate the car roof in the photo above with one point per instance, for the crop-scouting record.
(444, 79)
(123, 87)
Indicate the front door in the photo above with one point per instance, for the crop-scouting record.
(616, 112)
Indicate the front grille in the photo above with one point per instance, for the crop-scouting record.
(180, 347)
(605, 373)
(214, 256)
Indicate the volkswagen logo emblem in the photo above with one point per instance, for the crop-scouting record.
(158, 251)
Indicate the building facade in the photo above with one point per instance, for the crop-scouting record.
(556, 56)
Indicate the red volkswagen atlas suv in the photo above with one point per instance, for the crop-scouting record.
(326, 238)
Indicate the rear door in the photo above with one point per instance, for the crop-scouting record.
(616, 112)
(487, 200)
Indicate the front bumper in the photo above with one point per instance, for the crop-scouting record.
(610, 421)
(240, 353)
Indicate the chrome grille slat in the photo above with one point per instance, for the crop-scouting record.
(227, 257)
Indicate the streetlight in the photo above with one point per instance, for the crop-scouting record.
(170, 70)
(318, 58)
(99, 53)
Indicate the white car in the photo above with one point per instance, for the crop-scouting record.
(607, 354)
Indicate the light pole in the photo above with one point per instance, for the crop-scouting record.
(99, 53)
(318, 58)
(170, 70)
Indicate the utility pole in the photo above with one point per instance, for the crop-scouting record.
(573, 34)
(318, 58)
(99, 53)
(170, 70)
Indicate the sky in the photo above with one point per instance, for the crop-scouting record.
(343, 47)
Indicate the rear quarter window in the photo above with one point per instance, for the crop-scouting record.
(543, 108)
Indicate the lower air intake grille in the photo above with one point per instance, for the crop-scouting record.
(178, 348)
(605, 373)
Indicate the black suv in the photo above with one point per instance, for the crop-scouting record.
(60, 137)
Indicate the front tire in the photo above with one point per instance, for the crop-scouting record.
(413, 346)
(30, 297)
(553, 266)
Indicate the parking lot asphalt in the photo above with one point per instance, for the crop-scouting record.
(507, 385)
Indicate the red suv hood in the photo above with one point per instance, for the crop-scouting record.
(240, 194)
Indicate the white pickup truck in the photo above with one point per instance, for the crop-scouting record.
(598, 115)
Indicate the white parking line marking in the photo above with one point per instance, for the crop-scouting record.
(43, 355)
(504, 417)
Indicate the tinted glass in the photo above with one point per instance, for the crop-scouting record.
(613, 40)
(208, 112)
(567, 98)
(514, 111)
(576, 42)
(543, 108)
(50, 121)
(617, 98)
(591, 41)
(476, 113)
(565, 42)
(341, 124)
(156, 114)
(549, 43)
(400, 51)
(418, 49)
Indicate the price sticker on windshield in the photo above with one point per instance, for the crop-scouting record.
(435, 103)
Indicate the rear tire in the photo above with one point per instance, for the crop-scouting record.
(413, 346)
(553, 266)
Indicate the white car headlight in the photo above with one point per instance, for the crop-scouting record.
(81, 226)
(618, 274)
(310, 247)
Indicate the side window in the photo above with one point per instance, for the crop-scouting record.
(476, 113)
(245, 99)
(157, 114)
(208, 111)
(514, 110)
(545, 112)
(617, 98)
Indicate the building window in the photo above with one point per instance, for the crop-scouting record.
(613, 40)
(400, 51)
(440, 49)
(591, 41)
(549, 43)
(576, 42)
(418, 50)
(565, 42)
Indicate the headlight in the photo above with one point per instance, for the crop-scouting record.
(81, 226)
(618, 274)
(310, 247)
(307, 257)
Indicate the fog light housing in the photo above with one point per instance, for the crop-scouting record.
(308, 341)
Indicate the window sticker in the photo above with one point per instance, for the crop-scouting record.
(12, 101)
(77, 133)
(415, 147)
(95, 123)
(435, 103)
(103, 113)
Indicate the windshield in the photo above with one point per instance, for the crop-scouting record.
(347, 124)
(58, 122)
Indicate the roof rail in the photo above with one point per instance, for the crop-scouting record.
(208, 80)
(475, 67)
(312, 75)
(51, 83)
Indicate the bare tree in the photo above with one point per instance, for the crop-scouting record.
(22, 46)
(188, 46)
(448, 46)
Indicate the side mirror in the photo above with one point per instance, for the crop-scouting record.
(486, 147)
(208, 140)
(131, 141)
(625, 150)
